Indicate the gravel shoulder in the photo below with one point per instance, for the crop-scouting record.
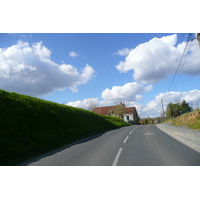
(187, 136)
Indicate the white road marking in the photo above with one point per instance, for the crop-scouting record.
(126, 139)
(117, 157)
(130, 132)
(148, 133)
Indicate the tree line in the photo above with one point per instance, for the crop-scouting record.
(173, 110)
(176, 109)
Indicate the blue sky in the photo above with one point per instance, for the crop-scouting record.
(39, 68)
(102, 68)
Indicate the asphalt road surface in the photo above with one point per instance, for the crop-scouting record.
(144, 145)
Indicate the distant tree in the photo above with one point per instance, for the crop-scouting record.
(151, 121)
(185, 107)
(146, 121)
(119, 110)
(91, 104)
(158, 120)
(176, 109)
(139, 119)
(173, 110)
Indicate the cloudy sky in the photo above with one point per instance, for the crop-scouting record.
(104, 68)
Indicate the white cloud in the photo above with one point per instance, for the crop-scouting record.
(154, 108)
(191, 60)
(123, 52)
(152, 61)
(172, 96)
(151, 109)
(86, 103)
(73, 54)
(128, 92)
(42, 51)
(28, 69)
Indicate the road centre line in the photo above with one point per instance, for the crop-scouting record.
(117, 157)
(126, 139)
(120, 150)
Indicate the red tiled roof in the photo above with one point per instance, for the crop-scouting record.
(105, 110)
(130, 110)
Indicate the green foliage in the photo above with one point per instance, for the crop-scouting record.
(150, 120)
(30, 126)
(146, 121)
(195, 125)
(115, 120)
(176, 109)
(185, 108)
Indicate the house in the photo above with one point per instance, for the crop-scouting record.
(129, 114)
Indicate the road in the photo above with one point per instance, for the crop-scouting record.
(144, 145)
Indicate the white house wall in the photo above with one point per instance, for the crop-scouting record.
(130, 117)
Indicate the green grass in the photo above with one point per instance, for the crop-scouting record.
(30, 126)
(190, 120)
(115, 121)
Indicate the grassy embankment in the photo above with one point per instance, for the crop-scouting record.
(30, 126)
(190, 120)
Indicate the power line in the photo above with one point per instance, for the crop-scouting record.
(178, 65)
(150, 92)
(183, 63)
(175, 73)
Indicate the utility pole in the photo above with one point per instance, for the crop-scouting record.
(198, 38)
(162, 107)
(197, 105)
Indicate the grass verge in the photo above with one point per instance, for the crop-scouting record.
(190, 120)
(30, 126)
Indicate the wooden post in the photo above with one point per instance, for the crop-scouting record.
(162, 108)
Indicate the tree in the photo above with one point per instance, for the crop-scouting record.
(173, 110)
(185, 107)
(176, 109)
(139, 119)
(146, 121)
(91, 104)
(119, 110)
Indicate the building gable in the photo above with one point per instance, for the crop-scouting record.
(103, 110)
